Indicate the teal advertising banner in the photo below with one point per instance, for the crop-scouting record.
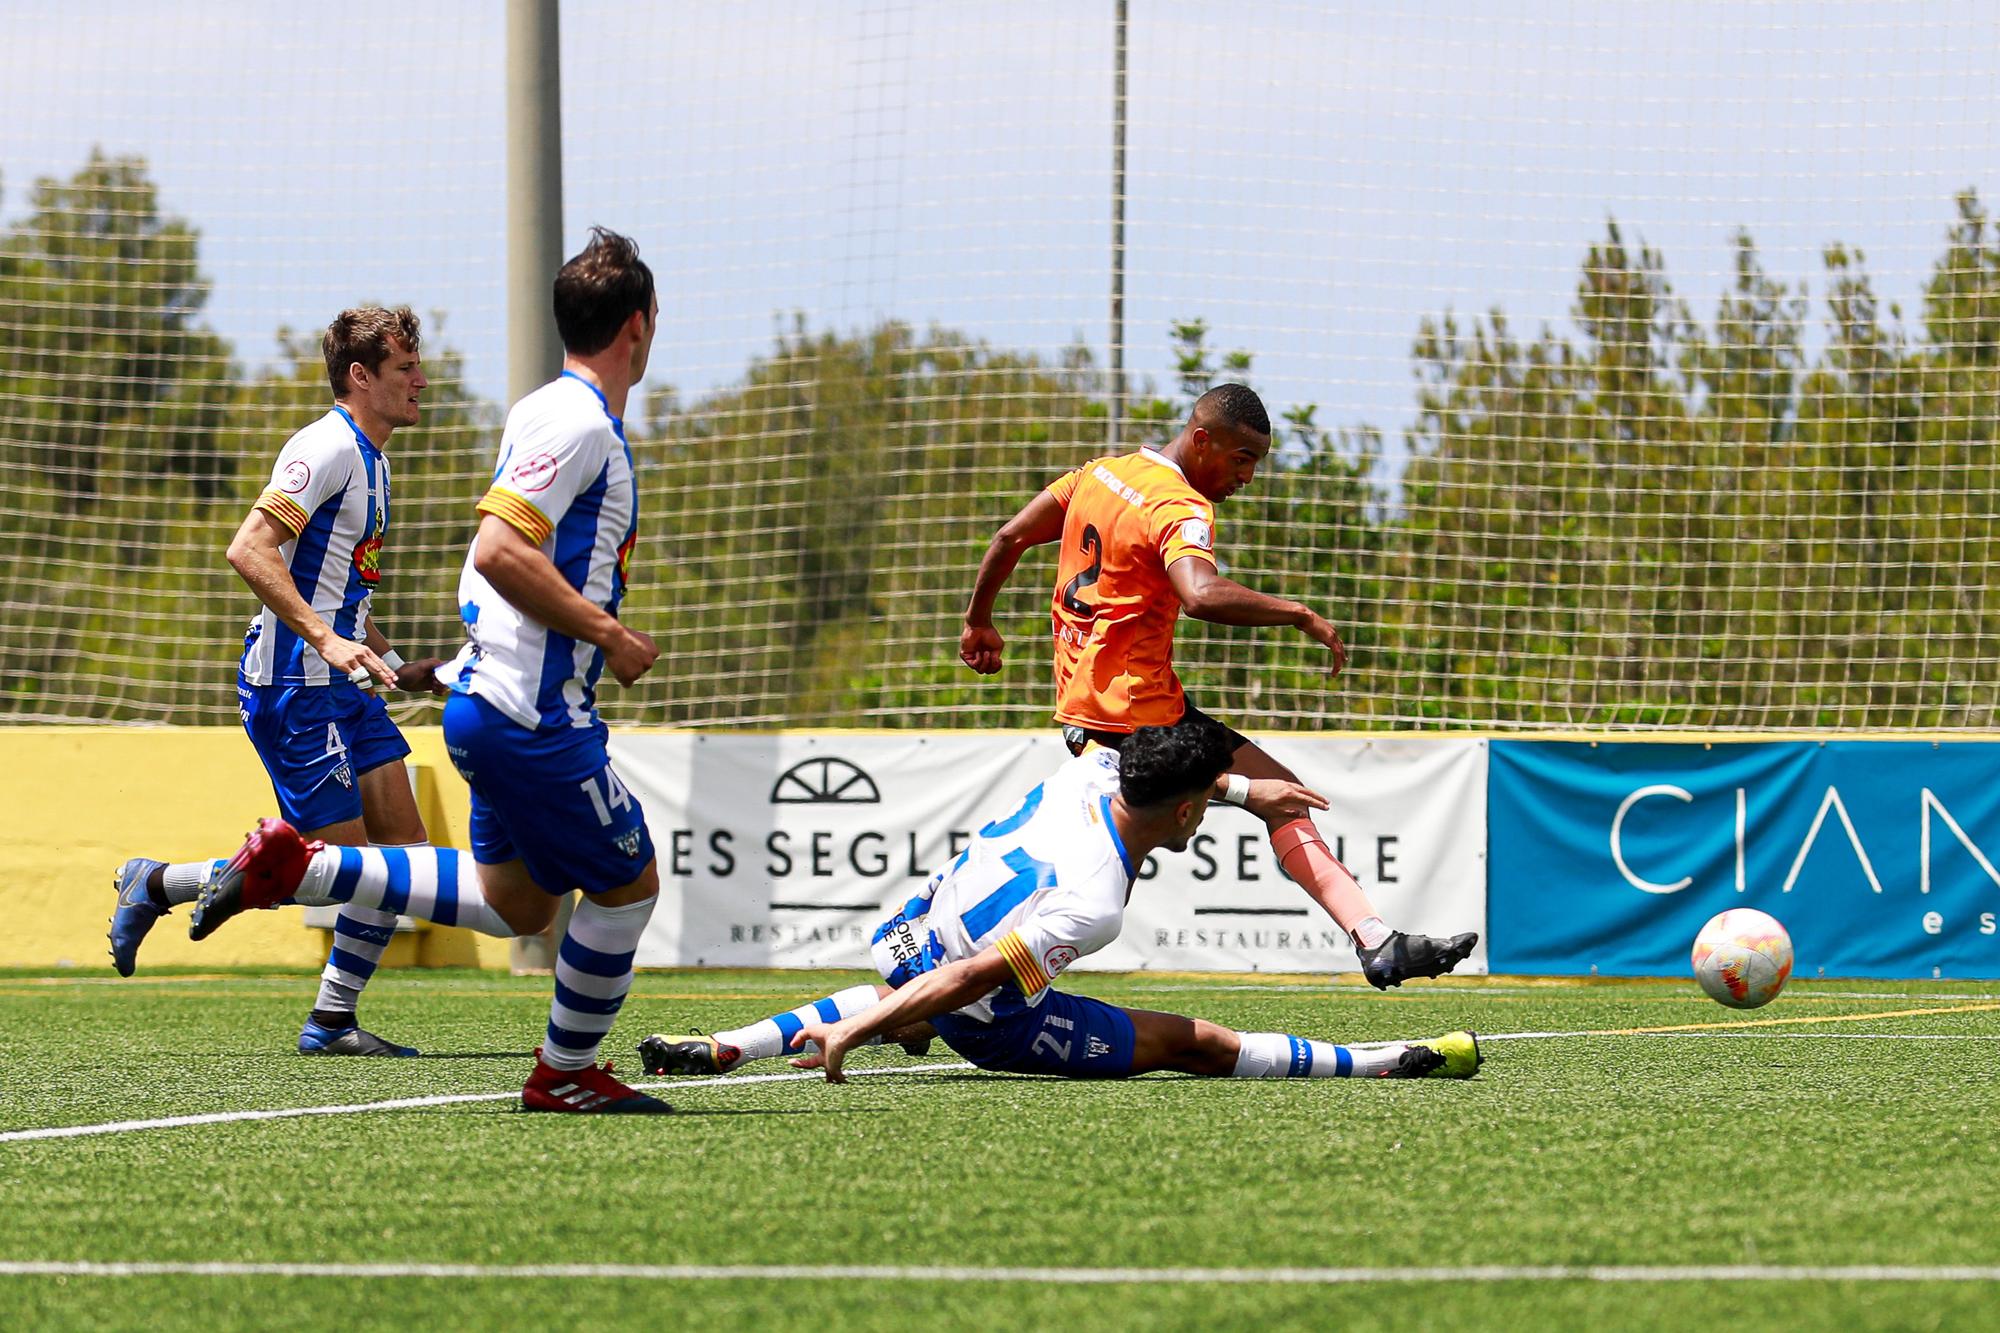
(1878, 856)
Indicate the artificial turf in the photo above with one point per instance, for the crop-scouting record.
(1782, 1145)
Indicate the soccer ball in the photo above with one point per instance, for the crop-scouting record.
(1742, 958)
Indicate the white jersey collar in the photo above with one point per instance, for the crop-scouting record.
(1160, 458)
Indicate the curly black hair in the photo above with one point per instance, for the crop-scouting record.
(1232, 405)
(1161, 764)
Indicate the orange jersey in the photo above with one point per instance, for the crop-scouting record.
(1125, 520)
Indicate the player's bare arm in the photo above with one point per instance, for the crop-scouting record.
(949, 988)
(418, 677)
(1206, 595)
(255, 554)
(530, 581)
(1039, 523)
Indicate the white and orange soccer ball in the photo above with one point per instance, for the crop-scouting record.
(1742, 958)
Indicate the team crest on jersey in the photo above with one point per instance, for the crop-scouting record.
(1058, 958)
(1195, 533)
(628, 842)
(1095, 1046)
(534, 474)
(368, 561)
(344, 776)
(297, 476)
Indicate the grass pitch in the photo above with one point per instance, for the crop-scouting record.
(1847, 1126)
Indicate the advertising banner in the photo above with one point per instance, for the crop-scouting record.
(1878, 856)
(787, 850)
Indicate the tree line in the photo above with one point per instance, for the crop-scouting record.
(1654, 517)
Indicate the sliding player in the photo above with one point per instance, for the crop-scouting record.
(1137, 533)
(975, 953)
(539, 596)
(311, 549)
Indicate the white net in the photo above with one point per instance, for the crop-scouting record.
(1639, 363)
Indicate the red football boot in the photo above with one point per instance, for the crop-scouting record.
(591, 1091)
(265, 871)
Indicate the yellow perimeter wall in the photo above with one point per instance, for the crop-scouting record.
(79, 800)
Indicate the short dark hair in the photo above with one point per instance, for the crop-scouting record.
(598, 290)
(362, 334)
(1161, 764)
(1232, 405)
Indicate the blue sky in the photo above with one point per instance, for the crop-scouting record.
(1311, 179)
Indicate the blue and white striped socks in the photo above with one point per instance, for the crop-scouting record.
(437, 884)
(593, 972)
(1277, 1055)
(360, 937)
(772, 1036)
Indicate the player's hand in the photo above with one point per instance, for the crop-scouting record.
(1321, 631)
(834, 1040)
(421, 677)
(1277, 798)
(631, 655)
(344, 657)
(979, 647)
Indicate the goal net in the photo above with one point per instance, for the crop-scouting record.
(1634, 365)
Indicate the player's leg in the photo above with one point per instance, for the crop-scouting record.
(296, 734)
(1388, 957)
(554, 797)
(389, 818)
(766, 1039)
(1195, 1046)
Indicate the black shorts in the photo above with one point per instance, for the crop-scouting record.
(1076, 737)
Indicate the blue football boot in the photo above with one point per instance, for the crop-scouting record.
(318, 1039)
(134, 915)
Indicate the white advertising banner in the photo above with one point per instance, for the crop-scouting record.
(788, 850)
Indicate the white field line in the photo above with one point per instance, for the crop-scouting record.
(411, 1103)
(1764, 1036)
(1055, 1276)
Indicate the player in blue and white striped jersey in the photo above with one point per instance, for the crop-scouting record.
(974, 955)
(311, 549)
(539, 597)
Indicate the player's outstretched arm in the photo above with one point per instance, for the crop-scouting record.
(1206, 595)
(1039, 523)
(529, 580)
(418, 677)
(255, 554)
(950, 987)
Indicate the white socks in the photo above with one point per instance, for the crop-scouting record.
(771, 1037)
(435, 884)
(593, 972)
(1276, 1055)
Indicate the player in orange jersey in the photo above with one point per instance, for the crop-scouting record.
(1138, 543)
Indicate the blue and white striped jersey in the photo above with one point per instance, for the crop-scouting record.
(564, 480)
(1046, 886)
(330, 486)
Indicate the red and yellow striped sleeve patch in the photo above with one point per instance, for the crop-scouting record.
(284, 509)
(531, 522)
(1027, 970)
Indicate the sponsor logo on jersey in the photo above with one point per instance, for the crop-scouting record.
(295, 478)
(1058, 958)
(368, 561)
(625, 555)
(1195, 533)
(534, 474)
